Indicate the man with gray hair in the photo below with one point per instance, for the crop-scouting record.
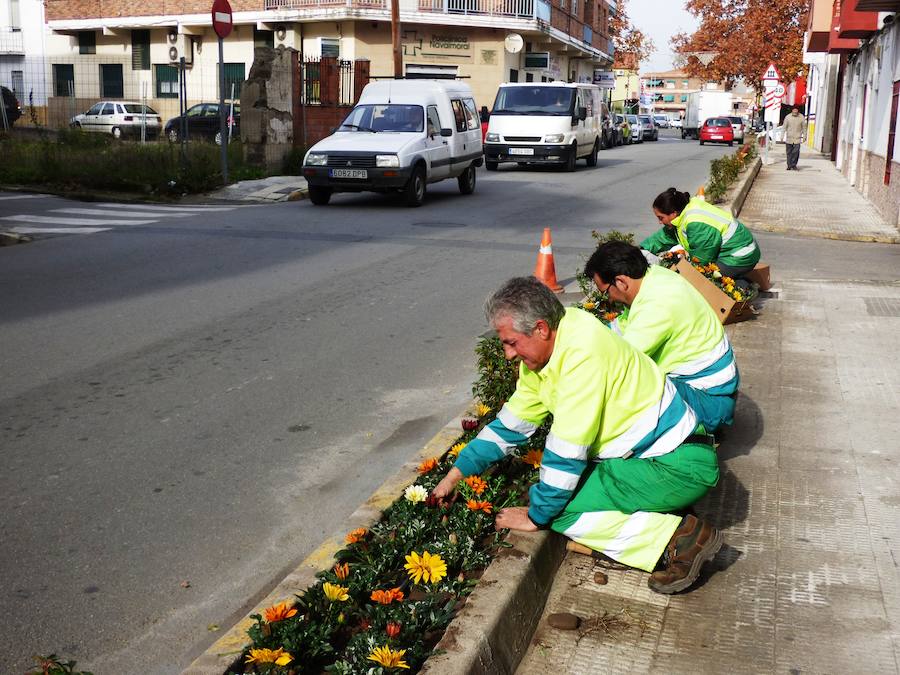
(613, 412)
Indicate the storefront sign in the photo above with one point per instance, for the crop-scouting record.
(605, 79)
(449, 42)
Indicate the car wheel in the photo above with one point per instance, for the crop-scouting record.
(466, 181)
(414, 192)
(76, 125)
(572, 158)
(116, 132)
(701, 142)
(172, 136)
(319, 195)
(592, 158)
(491, 166)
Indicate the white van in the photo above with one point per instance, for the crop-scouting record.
(402, 135)
(547, 123)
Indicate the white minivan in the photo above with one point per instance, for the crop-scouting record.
(400, 136)
(546, 123)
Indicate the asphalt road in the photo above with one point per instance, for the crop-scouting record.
(190, 404)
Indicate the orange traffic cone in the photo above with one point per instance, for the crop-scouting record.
(545, 269)
(701, 192)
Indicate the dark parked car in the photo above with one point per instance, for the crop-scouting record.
(203, 123)
(11, 105)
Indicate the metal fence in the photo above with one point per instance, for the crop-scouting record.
(331, 81)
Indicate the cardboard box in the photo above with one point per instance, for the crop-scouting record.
(726, 308)
(760, 276)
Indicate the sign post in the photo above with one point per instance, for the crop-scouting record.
(773, 92)
(222, 24)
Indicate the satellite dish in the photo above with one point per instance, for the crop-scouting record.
(514, 43)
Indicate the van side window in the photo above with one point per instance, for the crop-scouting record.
(472, 119)
(459, 114)
(434, 121)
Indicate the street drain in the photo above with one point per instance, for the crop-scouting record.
(438, 224)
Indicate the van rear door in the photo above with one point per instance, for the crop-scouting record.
(465, 146)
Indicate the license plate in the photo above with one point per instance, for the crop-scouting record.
(521, 151)
(349, 173)
(717, 137)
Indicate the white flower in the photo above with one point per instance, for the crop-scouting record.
(415, 494)
(717, 274)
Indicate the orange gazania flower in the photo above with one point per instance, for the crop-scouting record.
(533, 457)
(611, 316)
(341, 571)
(474, 505)
(429, 464)
(279, 612)
(387, 597)
(476, 483)
(356, 535)
(392, 629)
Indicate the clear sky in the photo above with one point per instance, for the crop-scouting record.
(660, 19)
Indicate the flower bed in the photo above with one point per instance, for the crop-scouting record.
(724, 171)
(712, 273)
(394, 588)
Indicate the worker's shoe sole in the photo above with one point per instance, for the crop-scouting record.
(682, 570)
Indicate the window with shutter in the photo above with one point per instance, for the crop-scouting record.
(140, 50)
(263, 38)
(87, 42)
(166, 81)
(234, 75)
(63, 79)
(112, 84)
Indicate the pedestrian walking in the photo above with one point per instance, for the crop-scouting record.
(794, 135)
(622, 456)
(704, 231)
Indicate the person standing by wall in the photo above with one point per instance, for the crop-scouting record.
(794, 135)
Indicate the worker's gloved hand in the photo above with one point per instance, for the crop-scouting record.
(448, 483)
(650, 258)
(515, 518)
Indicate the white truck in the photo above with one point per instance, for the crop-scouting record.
(701, 105)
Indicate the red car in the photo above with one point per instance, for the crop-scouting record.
(717, 130)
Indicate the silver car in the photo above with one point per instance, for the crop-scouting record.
(119, 118)
(737, 125)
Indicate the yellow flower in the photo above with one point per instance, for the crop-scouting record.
(456, 449)
(335, 593)
(415, 494)
(426, 567)
(277, 656)
(279, 612)
(588, 305)
(483, 409)
(388, 658)
(534, 458)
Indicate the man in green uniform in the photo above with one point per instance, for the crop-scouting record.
(621, 454)
(669, 321)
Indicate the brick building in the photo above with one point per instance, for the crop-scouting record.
(122, 49)
(669, 90)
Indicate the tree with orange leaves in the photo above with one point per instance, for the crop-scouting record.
(742, 37)
(631, 45)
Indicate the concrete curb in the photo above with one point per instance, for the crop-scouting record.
(743, 187)
(11, 239)
(837, 236)
(487, 633)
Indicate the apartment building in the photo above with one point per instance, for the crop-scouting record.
(853, 51)
(22, 50)
(117, 49)
(668, 91)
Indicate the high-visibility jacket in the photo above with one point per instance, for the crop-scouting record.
(608, 400)
(711, 235)
(674, 325)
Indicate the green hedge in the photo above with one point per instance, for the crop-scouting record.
(725, 170)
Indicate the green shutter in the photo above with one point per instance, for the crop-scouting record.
(87, 42)
(111, 82)
(166, 81)
(234, 74)
(140, 50)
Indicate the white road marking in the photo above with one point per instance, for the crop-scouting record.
(121, 214)
(54, 220)
(5, 197)
(166, 209)
(59, 230)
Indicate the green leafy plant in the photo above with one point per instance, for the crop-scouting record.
(725, 170)
(496, 376)
(53, 665)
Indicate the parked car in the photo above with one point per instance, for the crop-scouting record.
(203, 122)
(10, 105)
(637, 128)
(649, 130)
(624, 129)
(717, 130)
(737, 126)
(675, 123)
(547, 123)
(119, 118)
(400, 136)
(662, 121)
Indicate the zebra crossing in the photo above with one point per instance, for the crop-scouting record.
(90, 218)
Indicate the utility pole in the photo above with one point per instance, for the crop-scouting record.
(395, 38)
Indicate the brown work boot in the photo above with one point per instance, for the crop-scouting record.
(693, 543)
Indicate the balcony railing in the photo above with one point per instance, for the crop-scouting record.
(520, 9)
(11, 41)
(326, 4)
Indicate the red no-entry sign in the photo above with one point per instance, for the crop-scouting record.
(221, 18)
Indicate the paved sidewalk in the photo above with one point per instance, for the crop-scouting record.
(272, 189)
(816, 200)
(808, 581)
